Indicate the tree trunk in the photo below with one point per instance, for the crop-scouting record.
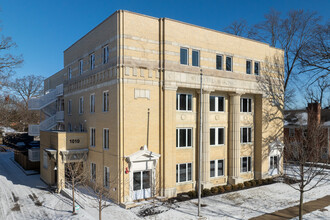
(73, 203)
(100, 208)
(301, 204)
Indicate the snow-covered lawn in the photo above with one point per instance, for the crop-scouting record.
(22, 197)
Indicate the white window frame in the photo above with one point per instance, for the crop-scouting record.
(92, 103)
(106, 177)
(216, 136)
(248, 164)
(92, 136)
(231, 64)
(185, 48)
(81, 105)
(187, 102)
(93, 172)
(192, 59)
(105, 54)
(271, 162)
(106, 138)
(216, 61)
(249, 71)
(81, 66)
(92, 61)
(105, 101)
(216, 103)
(69, 73)
(45, 160)
(254, 68)
(187, 137)
(248, 133)
(69, 107)
(186, 171)
(216, 163)
(248, 103)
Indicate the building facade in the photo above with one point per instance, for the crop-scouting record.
(132, 86)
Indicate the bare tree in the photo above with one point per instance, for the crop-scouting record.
(304, 156)
(317, 92)
(7, 60)
(76, 176)
(27, 87)
(315, 57)
(101, 195)
(290, 33)
(238, 28)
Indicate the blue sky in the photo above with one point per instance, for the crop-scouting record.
(43, 29)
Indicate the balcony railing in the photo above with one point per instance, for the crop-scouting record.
(41, 102)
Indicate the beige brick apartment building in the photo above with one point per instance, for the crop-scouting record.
(131, 66)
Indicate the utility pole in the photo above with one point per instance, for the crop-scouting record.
(200, 146)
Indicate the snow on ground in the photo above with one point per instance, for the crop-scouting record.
(21, 197)
(319, 214)
(25, 197)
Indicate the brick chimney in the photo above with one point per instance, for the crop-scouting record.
(314, 113)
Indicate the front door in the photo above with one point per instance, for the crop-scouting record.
(141, 184)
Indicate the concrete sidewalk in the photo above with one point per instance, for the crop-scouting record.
(292, 212)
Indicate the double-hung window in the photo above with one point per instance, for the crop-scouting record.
(92, 103)
(69, 73)
(106, 101)
(93, 172)
(217, 136)
(92, 61)
(92, 137)
(183, 172)
(256, 68)
(245, 164)
(195, 57)
(106, 177)
(184, 137)
(219, 62)
(246, 135)
(106, 138)
(246, 105)
(81, 105)
(229, 63)
(105, 54)
(183, 102)
(248, 67)
(81, 67)
(184, 56)
(273, 162)
(69, 107)
(217, 103)
(216, 168)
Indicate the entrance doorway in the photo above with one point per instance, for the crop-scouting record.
(141, 184)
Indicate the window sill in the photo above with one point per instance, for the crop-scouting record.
(218, 177)
(184, 183)
(184, 111)
(184, 147)
(219, 145)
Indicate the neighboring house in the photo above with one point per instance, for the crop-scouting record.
(127, 104)
(296, 122)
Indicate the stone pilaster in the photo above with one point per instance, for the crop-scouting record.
(205, 138)
(234, 139)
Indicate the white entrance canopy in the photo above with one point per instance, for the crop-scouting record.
(142, 172)
(74, 155)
